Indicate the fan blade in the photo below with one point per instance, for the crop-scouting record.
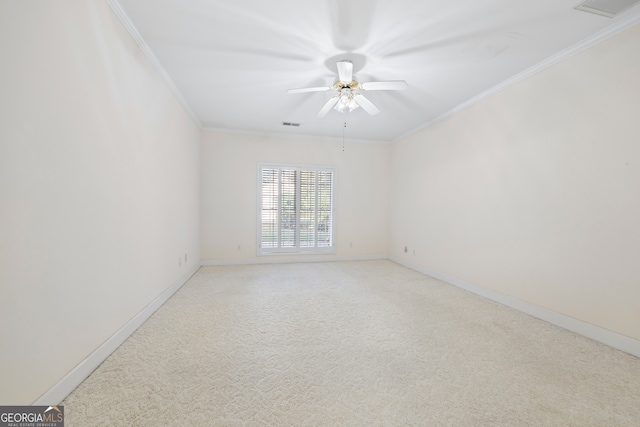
(345, 71)
(390, 85)
(309, 89)
(366, 104)
(328, 106)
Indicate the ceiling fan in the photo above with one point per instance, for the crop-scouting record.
(349, 97)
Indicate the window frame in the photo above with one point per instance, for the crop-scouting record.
(295, 249)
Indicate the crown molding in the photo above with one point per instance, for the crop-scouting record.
(293, 136)
(133, 31)
(622, 23)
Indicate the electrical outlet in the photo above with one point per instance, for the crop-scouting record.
(406, 249)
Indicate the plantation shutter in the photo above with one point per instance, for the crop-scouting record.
(288, 208)
(295, 209)
(325, 209)
(270, 208)
(307, 209)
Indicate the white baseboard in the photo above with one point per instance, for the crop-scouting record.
(69, 382)
(588, 330)
(286, 259)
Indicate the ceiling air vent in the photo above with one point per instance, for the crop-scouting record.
(608, 8)
(290, 124)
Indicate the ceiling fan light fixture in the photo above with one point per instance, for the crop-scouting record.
(346, 102)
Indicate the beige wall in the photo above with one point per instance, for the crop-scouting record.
(535, 192)
(229, 193)
(99, 188)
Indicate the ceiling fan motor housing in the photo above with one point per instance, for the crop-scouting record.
(352, 85)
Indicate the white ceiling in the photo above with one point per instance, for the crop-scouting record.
(232, 61)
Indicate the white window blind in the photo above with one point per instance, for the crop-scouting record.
(295, 209)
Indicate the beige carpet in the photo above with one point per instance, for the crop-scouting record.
(366, 343)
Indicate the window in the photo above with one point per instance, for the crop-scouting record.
(295, 209)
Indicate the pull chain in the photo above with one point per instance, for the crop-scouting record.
(343, 128)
